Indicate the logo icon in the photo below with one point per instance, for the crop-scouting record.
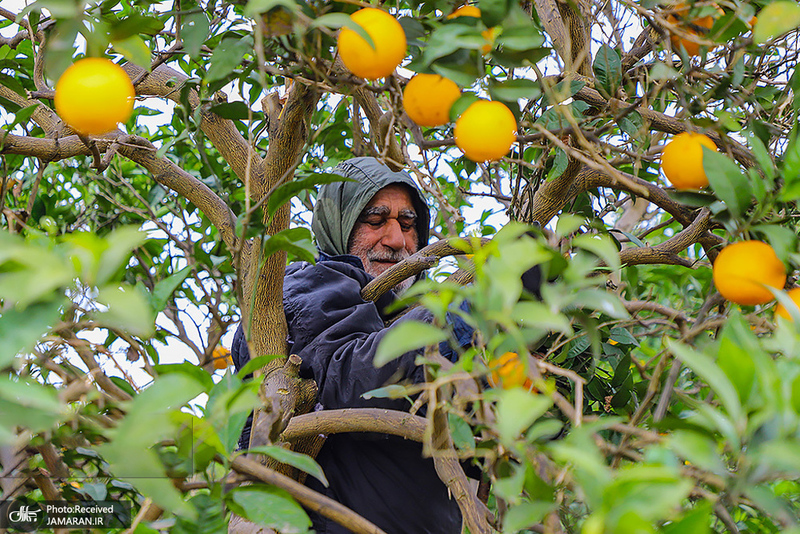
(24, 516)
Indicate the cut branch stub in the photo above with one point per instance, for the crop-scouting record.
(283, 394)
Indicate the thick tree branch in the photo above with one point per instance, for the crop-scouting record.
(555, 194)
(142, 152)
(664, 123)
(168, 83)
(667, 252)
(569, 30)
(45, 117)
(378, 420)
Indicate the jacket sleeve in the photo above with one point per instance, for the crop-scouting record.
(336, 333)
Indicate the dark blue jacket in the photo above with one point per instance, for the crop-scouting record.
(336, 333)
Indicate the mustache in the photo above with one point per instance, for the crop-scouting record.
(395, 256)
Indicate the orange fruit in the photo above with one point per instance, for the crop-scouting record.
(781, 311)
(466, 11)
(93, 95)
(428, 98)
(221, 357)
(508, 371)
(682, 160)
(743, 269)
(388, 37)
(472, 11)
(696, 29)
(486, 130)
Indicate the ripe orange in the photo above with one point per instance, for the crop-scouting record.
(508, 371)
(682, 160)
(428, 98)
(695, 28)
(488, 34)
(386, 34)
(221, 357)
(743, 269)
(486, 130)
(466, 11)
(93, 95)
(781, 311)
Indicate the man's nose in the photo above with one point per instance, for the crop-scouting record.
(393, 237)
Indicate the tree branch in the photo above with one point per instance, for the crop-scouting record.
(307, 497)
(142, 152)
(168, 83)
(664, 123)
(667, 252)
(378, 420)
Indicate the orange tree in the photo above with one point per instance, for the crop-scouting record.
(654, 404)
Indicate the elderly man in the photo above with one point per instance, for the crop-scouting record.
(362, 228)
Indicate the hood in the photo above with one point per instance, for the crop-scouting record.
(340, 203)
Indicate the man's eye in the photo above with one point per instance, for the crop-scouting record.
(375, 221)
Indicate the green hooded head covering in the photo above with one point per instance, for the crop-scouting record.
(340, 203)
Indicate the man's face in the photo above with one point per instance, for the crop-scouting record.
(386, 231)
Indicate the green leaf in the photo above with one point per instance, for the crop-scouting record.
(601, 246)
(728, 181)
(537, 314)
(233, 111)
(291, 240)
(342, 20)
(782, 239)
(776, 19)
(28, 404)
(526, 514)
(632, 124)
(21, 328)
(392, 391)
(711, 373)
(257, 7)
(461, 433)
(762, 155)
(299, 461)
(285, 192)
(194, 30)
(407, 336)
(256, 363)
(449, 39)
(116, 251)
(517, 409)
(227, 57)
(623, 336)
(515, 89)
(694, 521)
(738, 365)
(698, 449)
(663, 72)
(782, 455)
(166, 287)
(270, 507)
(197, 373)
(608, 69)
(135, 50)
(601, 301)
(128, 310)
(493, 11)
(523, 38)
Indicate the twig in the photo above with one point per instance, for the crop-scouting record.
(307, 497)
